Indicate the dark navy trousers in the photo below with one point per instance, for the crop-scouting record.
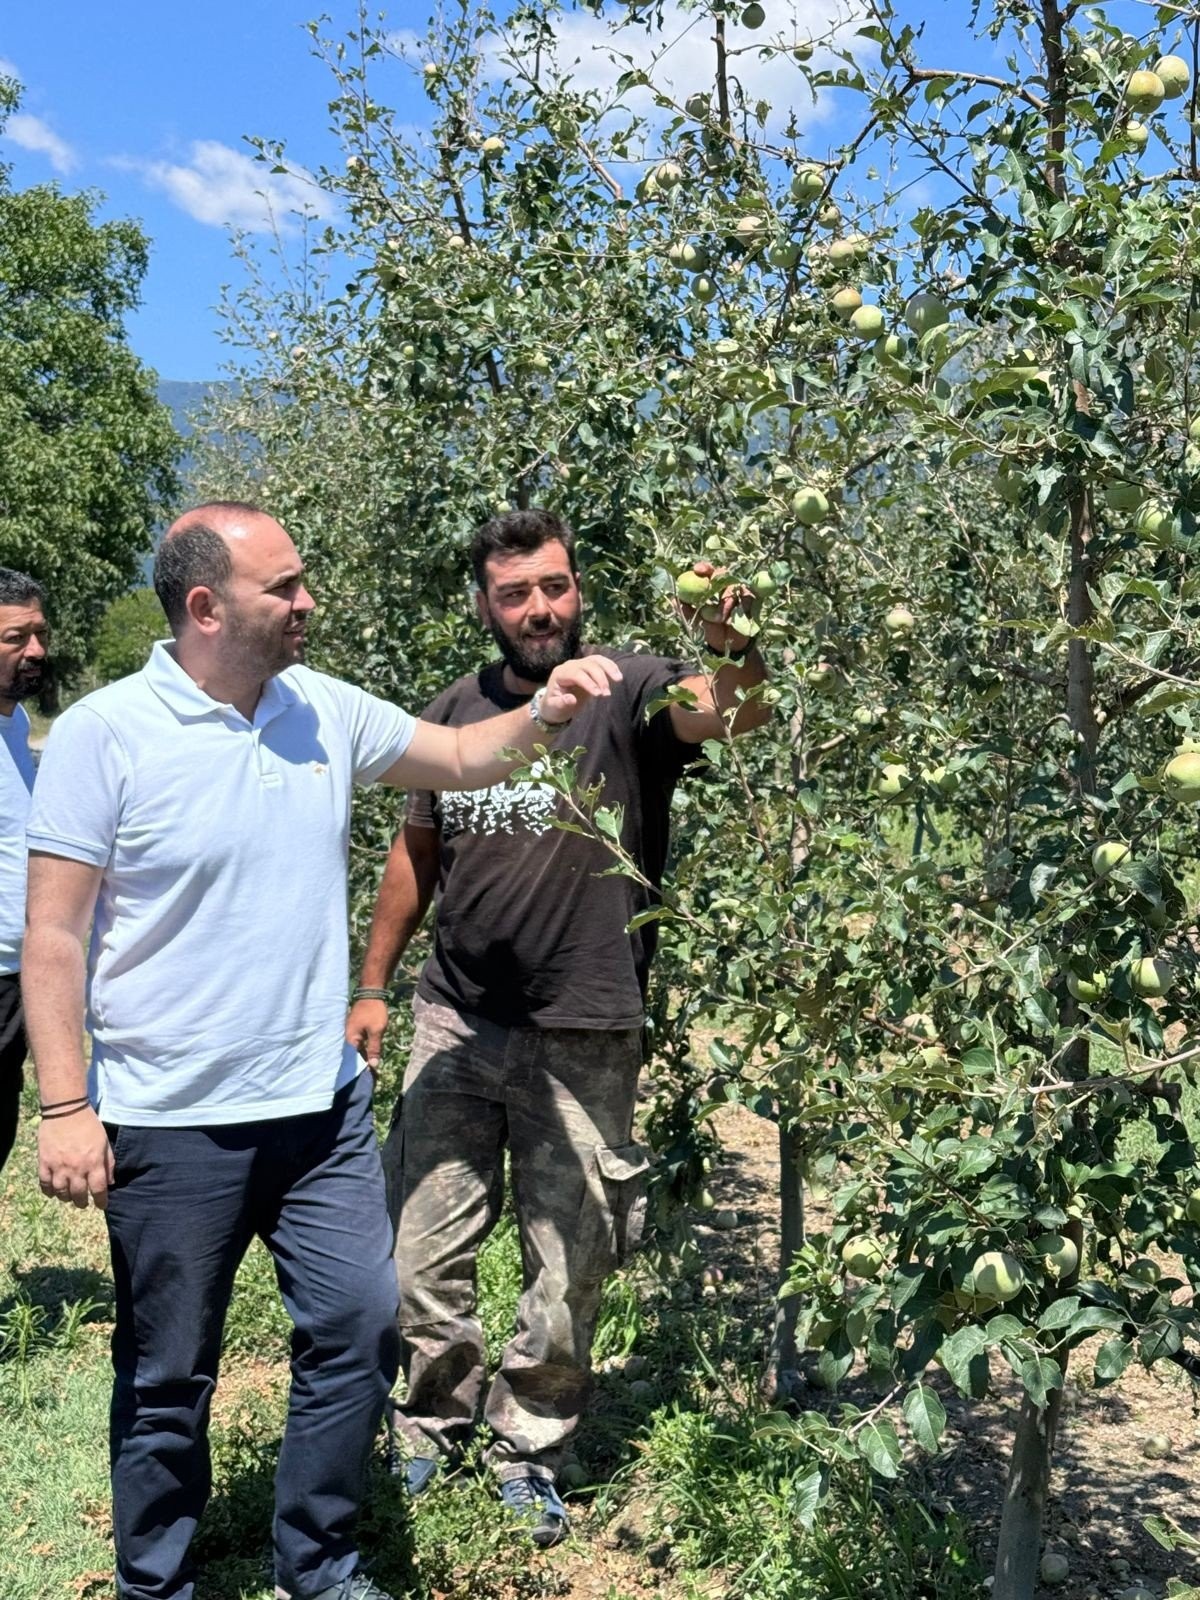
(184, 1208)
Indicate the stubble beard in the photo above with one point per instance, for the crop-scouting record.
(26, 682)
(261, 654)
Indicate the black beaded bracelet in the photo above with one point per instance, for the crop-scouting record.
(371, 994)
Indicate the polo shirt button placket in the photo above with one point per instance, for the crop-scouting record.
(268, 775)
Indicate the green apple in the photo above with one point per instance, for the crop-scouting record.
(809, 506)
(784, 253)
(845, 303)
(998, 1275)
(1054, 1569)
(825, 677)
(863, 1257)
(848, 249)
(753, 16)
(942, 780)
(1151, 976)
(892, 349)
(1181, 777)
(751, 227)
(1059, 1255)
(456, 241)
(926, 311)
(1137, 135)
(762, 585)
(692, 588)
(807, 184)
(704, 288)
(1153, 521)
(1194, 430)
(667, 174)
(829, 216)
(1144, 91)
(1089, 989)
(894, 778)
(1144, 1270)
(899, 622)
(493, 146)
(1172, 72)
(408, 351)
(866, 322)
(1108, 855)
(1192, 1210)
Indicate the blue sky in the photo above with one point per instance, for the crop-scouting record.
(149, 102)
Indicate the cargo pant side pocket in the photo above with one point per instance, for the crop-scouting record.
(617, 1201)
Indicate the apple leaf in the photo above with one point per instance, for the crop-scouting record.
(1040, 1377)
(926, 1417)
(879, 1445)
(1111, 1360)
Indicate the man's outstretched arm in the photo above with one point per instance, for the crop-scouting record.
(472, 757)
(409, 880)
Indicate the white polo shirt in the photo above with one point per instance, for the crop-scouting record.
(16, 781)
(220, 954)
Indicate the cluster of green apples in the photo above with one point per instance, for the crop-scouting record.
(703, 584)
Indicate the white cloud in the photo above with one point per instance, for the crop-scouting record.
(681, 56)
(227, 188)
(31, 133)
(8, 69)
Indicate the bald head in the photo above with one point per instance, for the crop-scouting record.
(195, 553)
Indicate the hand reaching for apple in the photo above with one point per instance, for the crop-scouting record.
(726, 609)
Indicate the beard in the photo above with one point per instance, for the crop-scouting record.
(535, 656)
(26, 681)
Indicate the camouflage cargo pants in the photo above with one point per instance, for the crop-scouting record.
(562, 1102)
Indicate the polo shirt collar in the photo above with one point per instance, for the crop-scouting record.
(187, 700)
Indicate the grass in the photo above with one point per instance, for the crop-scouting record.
(672, 1435)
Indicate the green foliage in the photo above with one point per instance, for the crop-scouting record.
(89, 453)
(126, 634)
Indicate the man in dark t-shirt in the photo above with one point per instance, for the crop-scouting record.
(529, 1017)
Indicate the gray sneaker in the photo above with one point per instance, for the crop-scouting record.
(535, 1501)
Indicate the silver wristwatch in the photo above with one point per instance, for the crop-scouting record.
(536, 717)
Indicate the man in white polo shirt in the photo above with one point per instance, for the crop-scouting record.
(197, 815)
(22, 659)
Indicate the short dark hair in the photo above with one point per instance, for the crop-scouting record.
(19, 589)
(195, 557)
(515, 531)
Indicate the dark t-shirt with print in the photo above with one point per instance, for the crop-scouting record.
(528, 932)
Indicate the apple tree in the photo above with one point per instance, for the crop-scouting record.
(940, 914)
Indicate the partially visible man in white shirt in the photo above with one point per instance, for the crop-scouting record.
(197, 815)
(22, 662)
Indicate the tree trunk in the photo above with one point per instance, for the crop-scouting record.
(781, 1376)
(1020, 1544)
